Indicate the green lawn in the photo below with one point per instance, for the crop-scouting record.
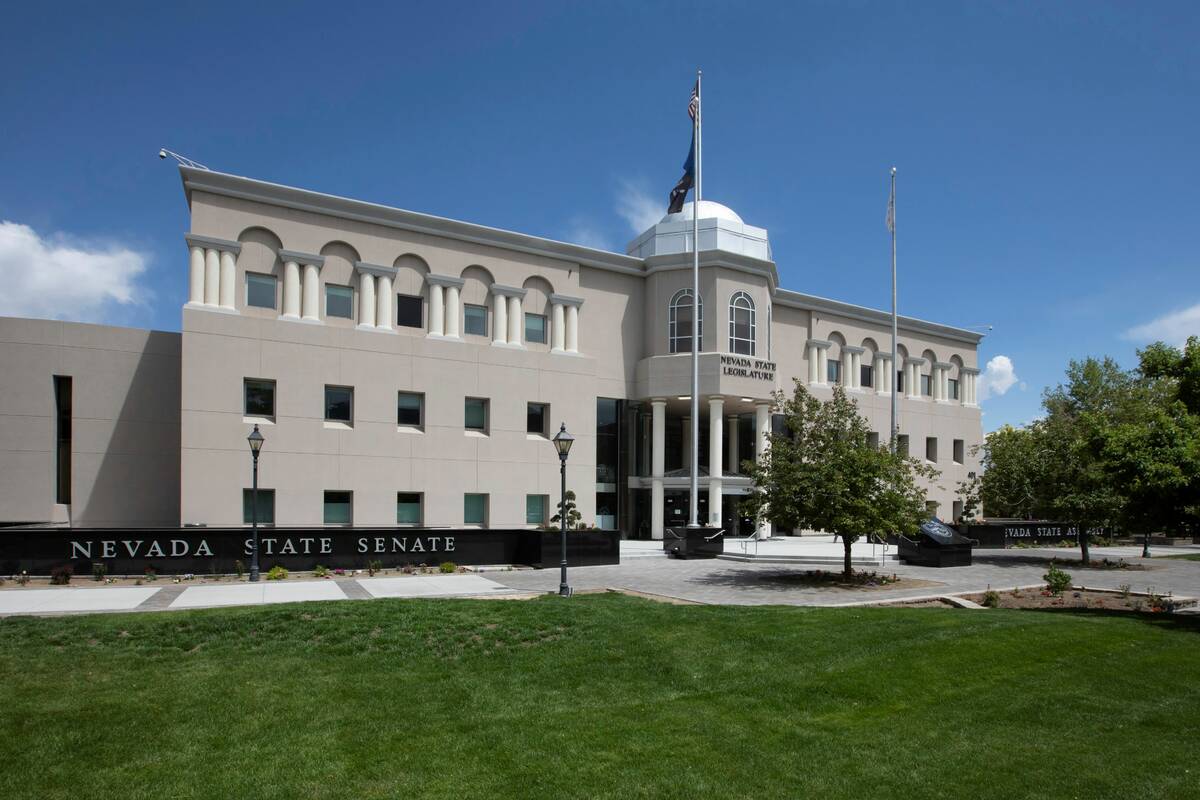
(1184, 556)
(599, 696)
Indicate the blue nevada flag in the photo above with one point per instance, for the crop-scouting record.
(686, 182)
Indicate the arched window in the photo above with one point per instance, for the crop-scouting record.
(679, 327)
(741, 324)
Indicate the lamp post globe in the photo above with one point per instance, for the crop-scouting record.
(562, 443)
(255, 439)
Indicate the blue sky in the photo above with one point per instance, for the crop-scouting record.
(1047, 153)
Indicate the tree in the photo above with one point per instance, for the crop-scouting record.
(822, 474)
(1013, 463)
(573, 515)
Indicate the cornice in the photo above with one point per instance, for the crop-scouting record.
(210, 243)
(302, 258)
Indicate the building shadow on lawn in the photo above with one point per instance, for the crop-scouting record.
(1181, 622)
(796, 579)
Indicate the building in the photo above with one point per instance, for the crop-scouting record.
(407, 369)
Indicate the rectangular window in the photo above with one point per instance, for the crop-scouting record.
(339, 301)
(958, 510)
(866, 376)
(259, 397)
(900, 381)
(476, 414)
(339, 404)
(833, 371)
(931, 449)
(63, 385)
(410, 409)
(902, 444)
(958, 451)
(536, 417)
(266, 506)
(475, 320)
(260, 290)
(535, 508)
(339, 508)
(926, 386)
(535, 328)
(408, 508)
(409, 311)
(931, 509)
(873, 440)
(475, 507)
(953, 388)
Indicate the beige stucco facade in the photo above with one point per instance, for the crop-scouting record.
(605, 367)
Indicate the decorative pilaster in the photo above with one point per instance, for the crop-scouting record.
(375, 296)
(443, 305)
(453, 312)
(366, 300)
(196, 276)
(570, 311)
(291, 289)
(383, 302)
(912, 377)
(558, 336)
(970, 381)
(818, 361)
(516, 321)
(499, 319)
(308, 287)
(885, 375)
(852, 366)
(508, 319)
(437, 311)
(212, 272)
(228, 280)
(941, 382)
(212, 277)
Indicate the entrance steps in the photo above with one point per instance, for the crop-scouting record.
(817, 551)
(812, 560)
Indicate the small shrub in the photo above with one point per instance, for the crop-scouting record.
(151, 575)
(239, 568)
(991, 599)
(277, 573)
(99, 570)
(339, 571)
(373, 566)
(448, 567)
(320, 572)
(1125, 589)
(138, 582)
(23, 578)
(61, 576)
(1057, 581)
(407, 569)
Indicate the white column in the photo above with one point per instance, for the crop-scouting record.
(291, 290)
(946, 384)
(716, 422)
(196, 276)
(452, 312)
(823, 365)
(311, 307)
(762, 430)
(557, 334)
(881, 374)
(516, 321)
(228, 279)
(572, 342)
(437, 312)
(687, 443)
(500, 319)
(814, 360)
(658, 446)
(854, 377)
(366, 300)
(383, 302)
(734, 466)
(212, 277)
(912, 379)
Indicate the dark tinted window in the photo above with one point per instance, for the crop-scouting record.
(535, 418)
(339, 508)
(408, 311)
(266, 506)
(535, 328)
(339, 301)
(260, 398)
(260, 290)
(339, 403)
(408, 409)
(475, 320)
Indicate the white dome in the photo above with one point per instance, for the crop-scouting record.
(708, 210)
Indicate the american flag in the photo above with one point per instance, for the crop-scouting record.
(694, 103)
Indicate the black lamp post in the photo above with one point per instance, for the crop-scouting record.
(256, 442)
(562, 443)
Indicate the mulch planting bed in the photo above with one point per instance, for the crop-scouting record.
(1083, 598)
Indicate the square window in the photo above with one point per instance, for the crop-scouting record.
(833, 371)
(266, 506)
(535, 328)
(260, 290)
(409, 311)
(408, 508)
(339, 508)
(931, 449)
(902, 444)
(476, 414)
(410, 408)
(339, 404)
(926, 386)
(259, 397)
(958, 451)
(535, 508)
(475, 320)
(475, 509)
(866, 376)
(536, 416)
(339, 301)
(953, 388)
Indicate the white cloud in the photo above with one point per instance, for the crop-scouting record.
(997, 378)
(1173, 328)
(637, 207)
(56, 277)
(582, 231)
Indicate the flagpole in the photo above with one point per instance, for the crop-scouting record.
(696, 311)
(895, 366)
